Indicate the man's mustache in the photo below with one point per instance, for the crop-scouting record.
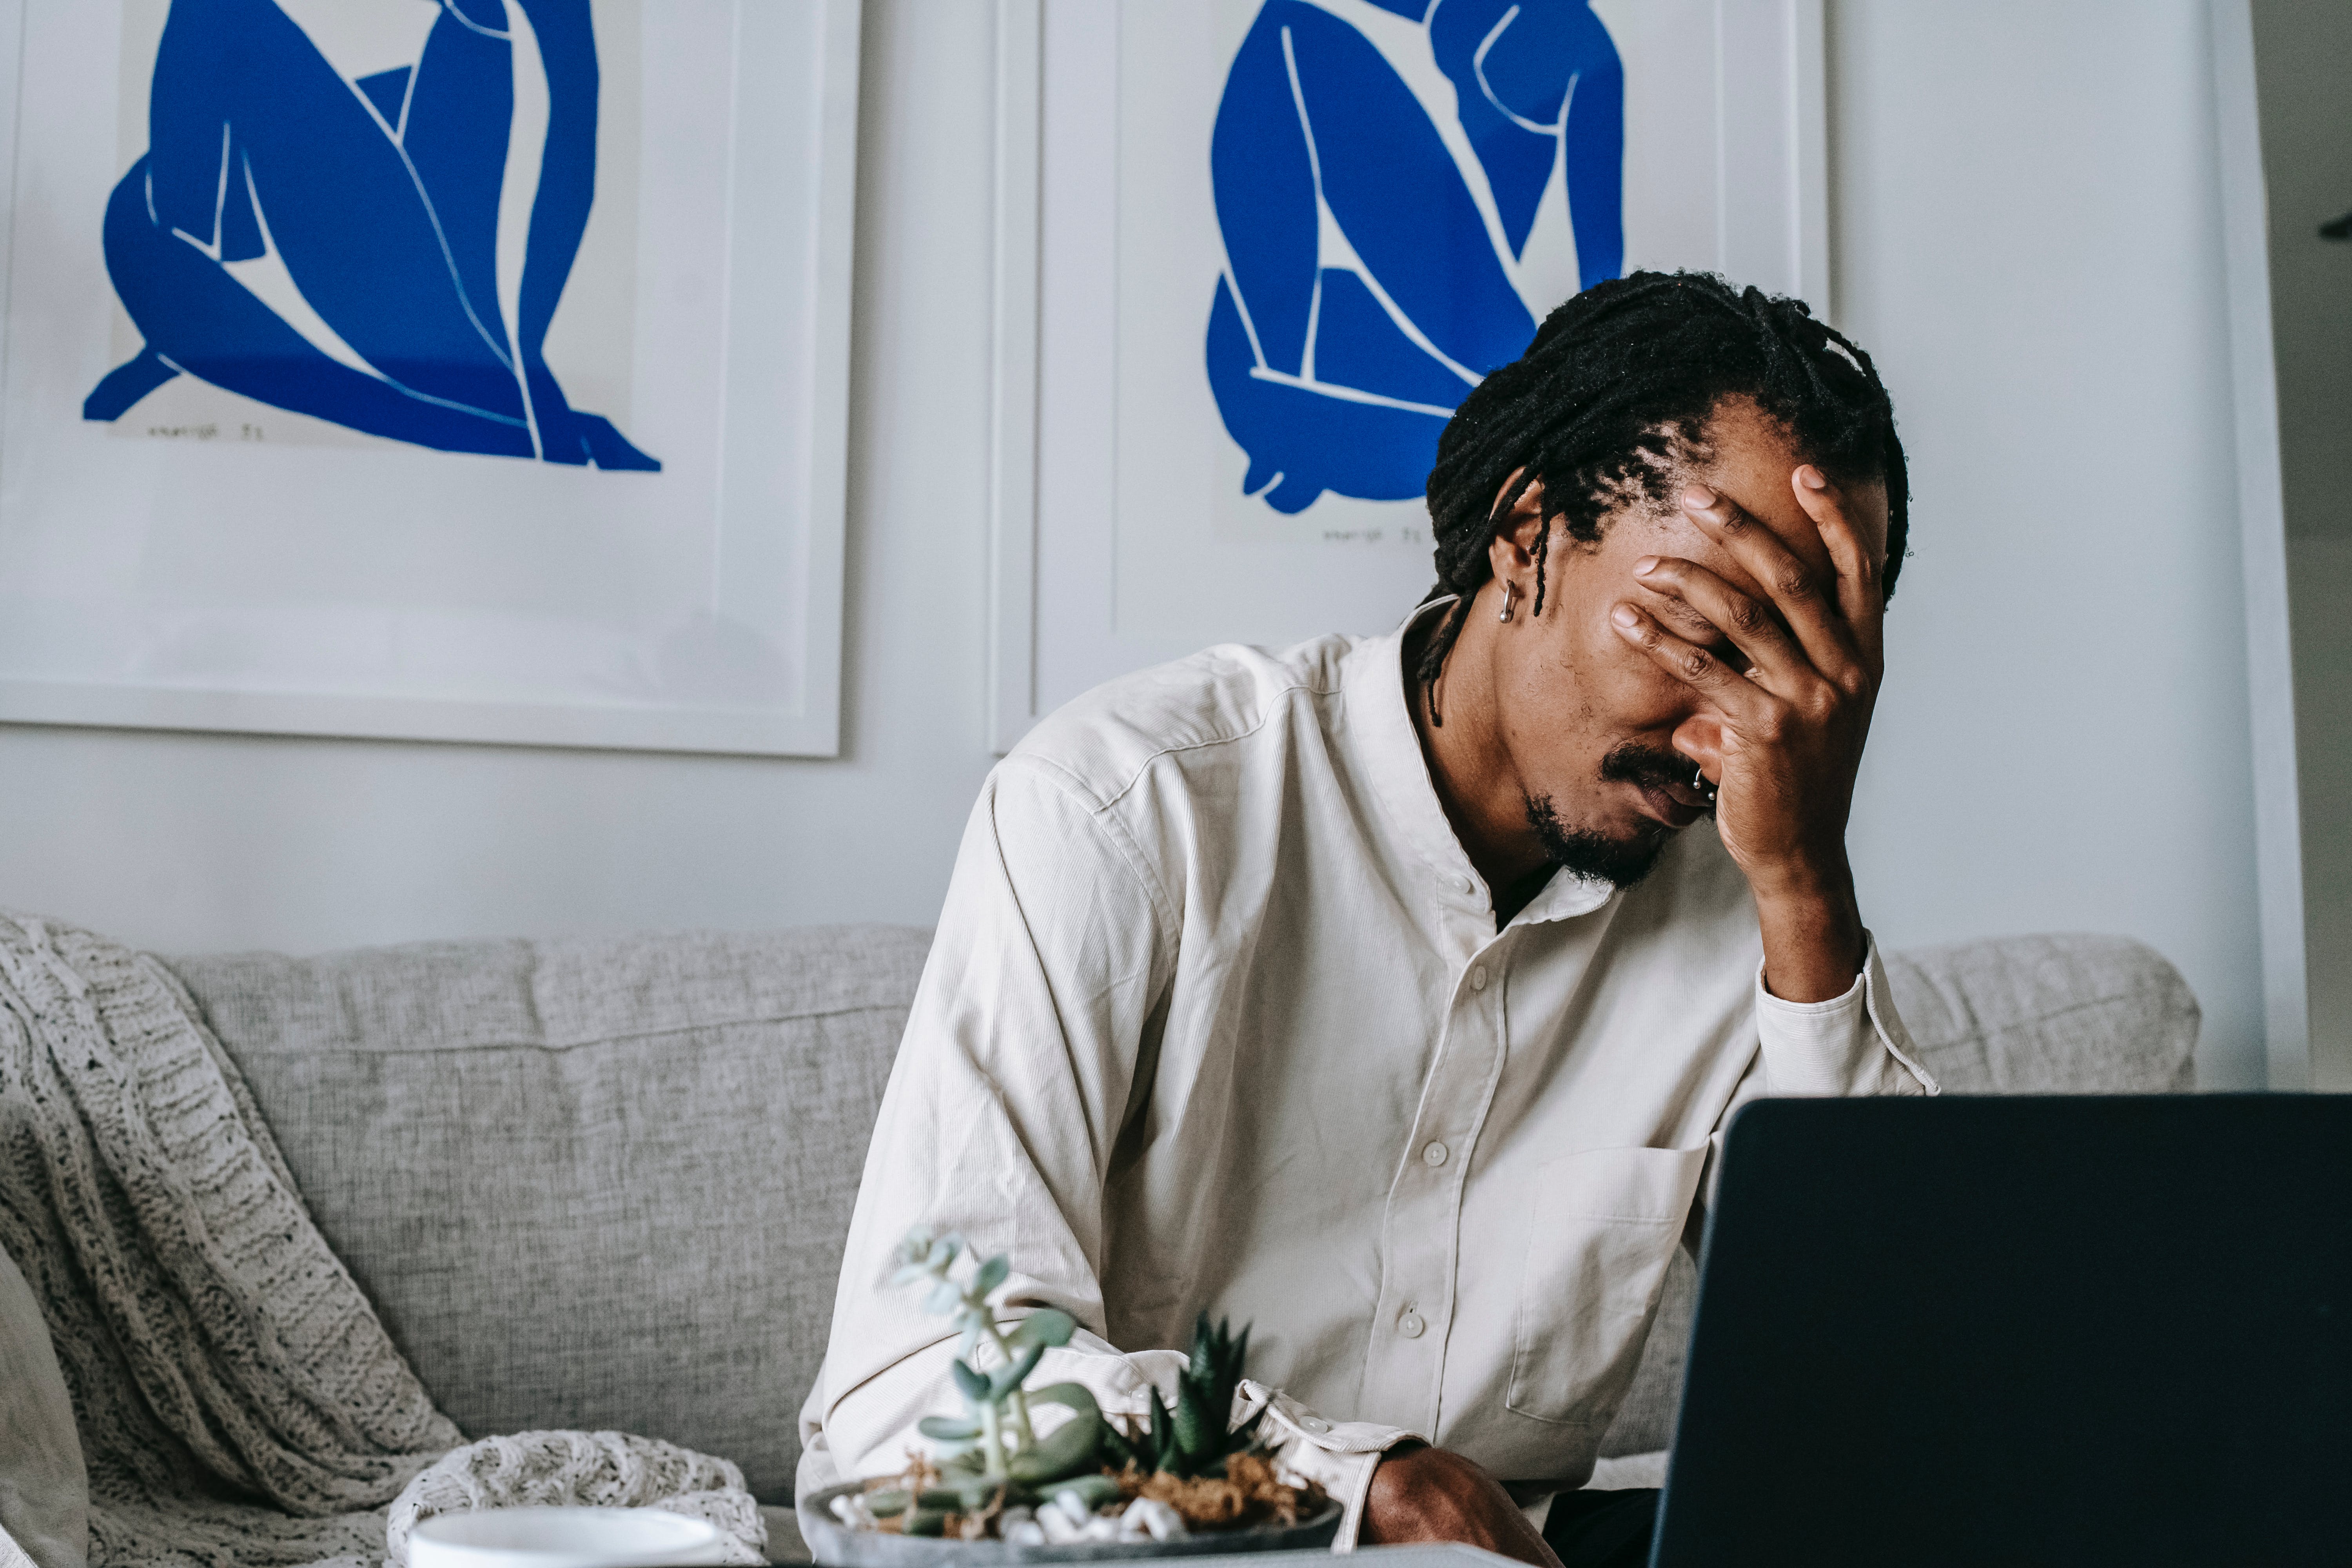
(1646, 767)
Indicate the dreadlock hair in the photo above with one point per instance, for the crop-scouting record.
(1609, 408)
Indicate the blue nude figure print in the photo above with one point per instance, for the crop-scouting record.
(1365, 293)
(382, 199)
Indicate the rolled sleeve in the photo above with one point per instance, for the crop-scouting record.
(999, 1122)
(1850, 1045)
(999, 1119)
(1338, 1456)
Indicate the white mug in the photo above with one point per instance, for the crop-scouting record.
(562, 1538)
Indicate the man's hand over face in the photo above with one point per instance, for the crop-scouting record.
(1792, 705)
(1434, 1494)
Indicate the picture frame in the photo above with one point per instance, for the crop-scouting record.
(1122, 536)
(261, 541)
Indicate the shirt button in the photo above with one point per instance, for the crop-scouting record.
(1315, 1424)
(1434, 1155)
(1411, 1325)
(1478, 978)
(1466, 884)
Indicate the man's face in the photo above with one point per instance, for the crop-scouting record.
(1588, 721)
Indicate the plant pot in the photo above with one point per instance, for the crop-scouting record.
(835, 1545)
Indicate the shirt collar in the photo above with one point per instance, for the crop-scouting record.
(1381, 731)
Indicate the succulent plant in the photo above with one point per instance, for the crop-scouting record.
(1191, 1438)
(993, 1450)
(990, 1457)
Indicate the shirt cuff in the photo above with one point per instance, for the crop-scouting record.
(1850, 1045)
(1338, 1456)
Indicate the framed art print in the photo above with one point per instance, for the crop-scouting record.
(1251, 254)
(465, 370)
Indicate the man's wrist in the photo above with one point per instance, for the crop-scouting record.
(1814, 942)
(1825, 877)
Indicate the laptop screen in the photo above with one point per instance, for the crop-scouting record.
(2023, 1329)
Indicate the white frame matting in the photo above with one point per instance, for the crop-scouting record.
(1055, 576)
(772, 469)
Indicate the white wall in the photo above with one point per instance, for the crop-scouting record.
(2024, 209)
(2026, 229)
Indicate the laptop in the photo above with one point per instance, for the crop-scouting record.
(2022, 1331)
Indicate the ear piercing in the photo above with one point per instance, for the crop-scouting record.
(1698, 783)
(1507, 592)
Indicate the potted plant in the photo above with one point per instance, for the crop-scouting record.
(1001, 1486)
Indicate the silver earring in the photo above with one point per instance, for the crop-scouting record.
(1698, 782)
(1508, 591)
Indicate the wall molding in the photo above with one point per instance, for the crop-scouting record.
(2261, 531)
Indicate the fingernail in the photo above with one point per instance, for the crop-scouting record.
(1645, 565)
(1624, 616)
(1699, 498)
(1811, 478)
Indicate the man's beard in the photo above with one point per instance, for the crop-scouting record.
(1595, 855)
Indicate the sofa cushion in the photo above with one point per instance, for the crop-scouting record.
(2022, 1014)
(2049, 1014)
(44, 1492)
(597, 1183)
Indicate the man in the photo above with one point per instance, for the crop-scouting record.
(1390, 994)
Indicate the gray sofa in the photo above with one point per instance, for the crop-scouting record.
(604, 1183)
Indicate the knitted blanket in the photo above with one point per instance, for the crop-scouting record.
(240, 1403)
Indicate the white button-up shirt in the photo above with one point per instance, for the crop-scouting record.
(1217, 1019)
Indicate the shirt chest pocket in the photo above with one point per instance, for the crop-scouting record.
(1603, 1224)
